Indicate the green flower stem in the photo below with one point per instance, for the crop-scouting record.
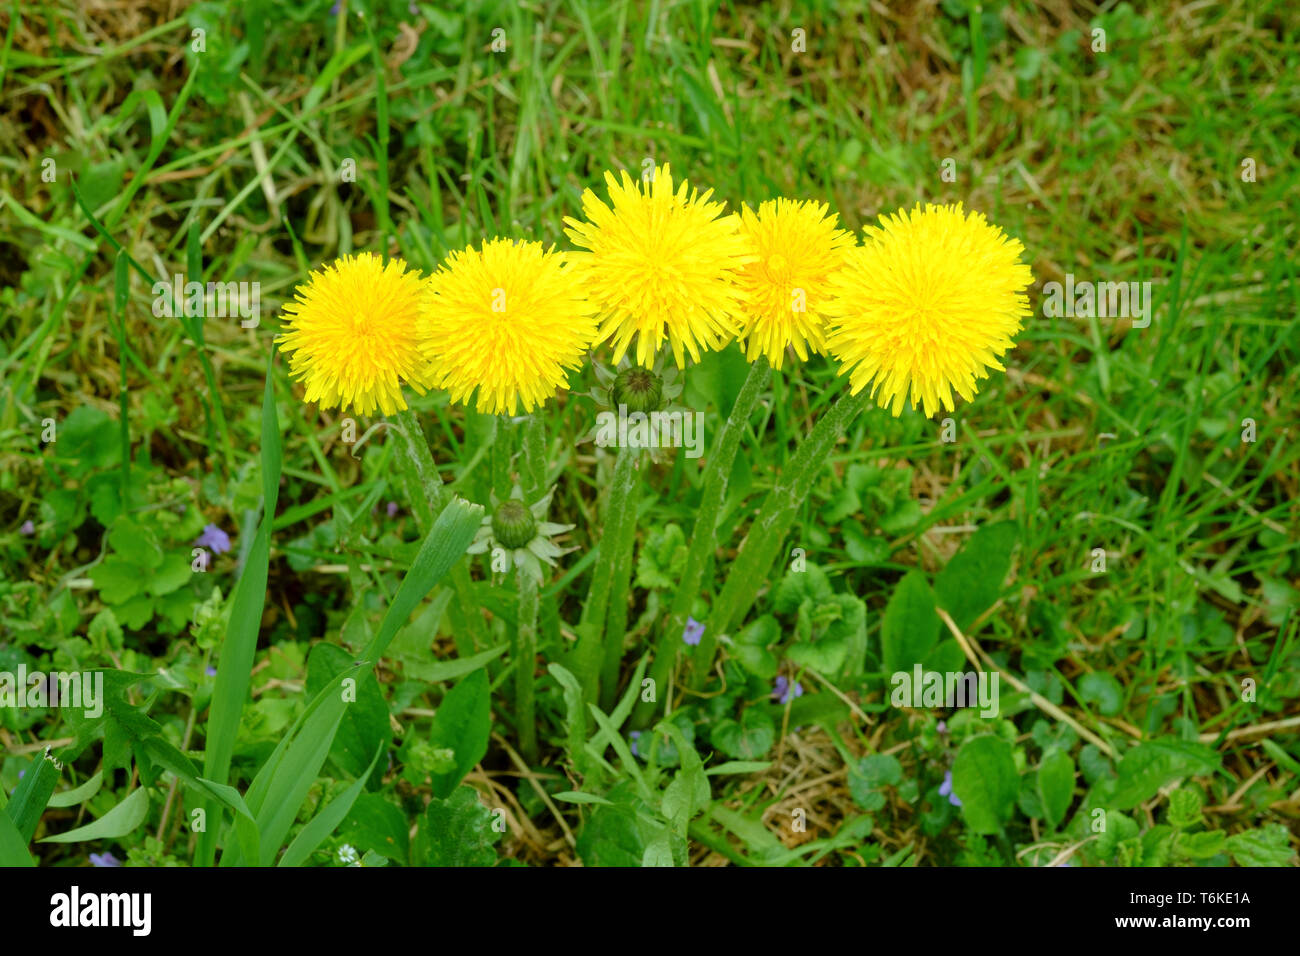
(499, 455)
(704, 536)
(624, 535)
(423, 481)
(749, 572)
(533, 472)
(525, 664)
(535, 467)
(588, 656)
(428, 497)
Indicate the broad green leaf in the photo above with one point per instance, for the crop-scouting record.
(985, 780)
(659, 853)
(749, 738)
(1102, 689)
(910, 627)
(1267, 846)
(375, 824)
(617, 832)
(463, 724)
(971, 581)
(135, 543)
(1056, 786)
(456, 831)
(1149, 766)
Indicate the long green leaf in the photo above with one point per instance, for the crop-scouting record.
(118, 822)
(32, 796)
(235, 664)
(78, 795)
(327, 821)
(282, 784)
(13, 848)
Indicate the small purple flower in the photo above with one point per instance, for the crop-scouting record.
(693, 632)
(28, 528)
(783, 692)
(334, 10)
(214, 538)
(392, 509)
(945, 789)
(104, 859)
(942, 727)
(210, 671)
(635, 735)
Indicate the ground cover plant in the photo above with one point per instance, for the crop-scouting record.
(675, 434)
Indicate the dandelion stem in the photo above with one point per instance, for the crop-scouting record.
(624, 536)
(749, 571)
(588, 657)
(527, 662)
(704, 535)
(428, 496)
(533, 473)
(427, 490)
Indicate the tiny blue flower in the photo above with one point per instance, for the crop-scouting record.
(104, 859)
(693, 632)
(28, 528)
(783, 692)
(945, 789)
(635, 735)
(214, 538)
(210, 671)
(392, 509)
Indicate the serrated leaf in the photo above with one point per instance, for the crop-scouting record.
(117, 579)
(172, 573)
(1267, 846)
(456, 831)
(1149, 766)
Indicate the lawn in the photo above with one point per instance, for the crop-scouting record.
(1050, 622)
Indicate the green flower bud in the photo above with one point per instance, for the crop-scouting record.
(640, 389)
(513, 525)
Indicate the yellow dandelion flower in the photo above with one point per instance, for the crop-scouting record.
(352, 336)
(798, 248)
(661, 264)
(509, 320)
(926, 305)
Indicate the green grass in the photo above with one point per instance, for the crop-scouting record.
(1117, 166)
